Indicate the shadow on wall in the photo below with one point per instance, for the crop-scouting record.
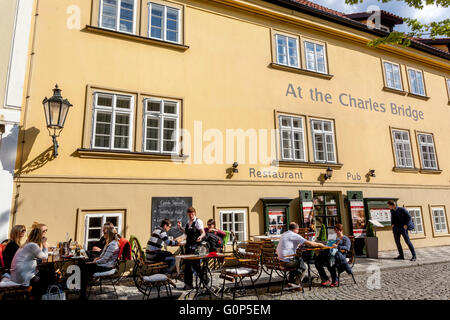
(38, 162)
(8, 147)
(259, 209)
(4, 221)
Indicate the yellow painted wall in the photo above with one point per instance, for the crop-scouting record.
(224, 80)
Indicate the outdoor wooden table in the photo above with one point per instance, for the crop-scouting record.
(200, 281)
(59, 263)
(303, 250)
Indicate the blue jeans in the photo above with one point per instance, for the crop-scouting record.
(166, 257)
(398, 232)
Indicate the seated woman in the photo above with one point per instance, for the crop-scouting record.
(100, 244)
(14, 243)
(23, 266)
(108, 258)
(343, 244)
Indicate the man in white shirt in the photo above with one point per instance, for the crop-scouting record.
(287, 247)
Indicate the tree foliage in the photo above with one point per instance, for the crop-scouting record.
(417, 29)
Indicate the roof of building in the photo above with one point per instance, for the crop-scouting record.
(314, 9)
(384, 15)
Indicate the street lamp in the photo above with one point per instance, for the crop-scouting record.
(55, 109)
(329, 173)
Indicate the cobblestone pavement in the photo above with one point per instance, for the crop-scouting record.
(426, 278)
(427, 282)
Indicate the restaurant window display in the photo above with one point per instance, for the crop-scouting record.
(276, 214)
(326, 214)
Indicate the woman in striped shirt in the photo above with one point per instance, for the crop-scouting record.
(109, 256)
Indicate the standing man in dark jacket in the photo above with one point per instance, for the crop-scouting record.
(401, 223)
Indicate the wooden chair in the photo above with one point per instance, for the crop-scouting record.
(247, 266)
(271, 262)
(12, 290)
(147, 276)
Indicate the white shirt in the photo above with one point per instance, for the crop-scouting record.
(197, 223)
(288, 245)
(23, 266)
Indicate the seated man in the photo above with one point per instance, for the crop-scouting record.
(287, 247)
(340, 261)
(153, 253)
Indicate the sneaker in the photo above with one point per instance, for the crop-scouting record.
(399, 258)
(325, 283)
(413, 258)
(334, 284)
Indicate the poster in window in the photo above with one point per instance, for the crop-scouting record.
(382, 215)
(358, 218)
(307, 213)
(277, 222)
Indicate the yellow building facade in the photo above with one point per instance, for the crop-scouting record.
(165, 92)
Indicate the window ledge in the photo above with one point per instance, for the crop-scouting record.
(299, 164)
(418, 96)
(400, 92)
(408, 170)
(431, 171)
(438, 235)
(134, 37)
(114, 154)
(301, 71)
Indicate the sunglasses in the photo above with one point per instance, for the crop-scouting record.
(45, 230)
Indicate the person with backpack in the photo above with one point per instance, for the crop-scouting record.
(214, 236)
(401, 222)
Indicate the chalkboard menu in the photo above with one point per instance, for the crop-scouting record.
(172, 208)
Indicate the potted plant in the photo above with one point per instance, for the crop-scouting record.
(371, 242)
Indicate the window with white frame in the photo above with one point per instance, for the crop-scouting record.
(315, 57)
(448, 88)
(416, 216)
(161, 125)
(416, 82)
(427, 151)
(440, 224)
(292, 138)
(234, 221)
(402, 146)
(393, 76)
(323, 141)
(118, 15)
(113, 119)
(287, 50)
(94, 224)
(164, 23)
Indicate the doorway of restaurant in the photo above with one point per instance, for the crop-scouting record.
(326, 210)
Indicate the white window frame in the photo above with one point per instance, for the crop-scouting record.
(288, 57)
(447, 81)
(118, 215)
(315, 56)
(324, 134)
(164, 22)
(161, 116)
(400, 82)
(292, 131)
(119, 2)
(113, 110)
(229, 211)
(428, 145)
(412, 88)
(416, 216)
(403, 143)
(442, 220)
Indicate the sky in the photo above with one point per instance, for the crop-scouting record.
(426, 15)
